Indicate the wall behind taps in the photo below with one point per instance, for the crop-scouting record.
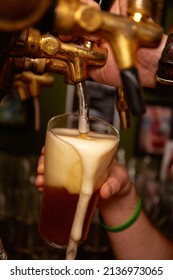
(23, 139)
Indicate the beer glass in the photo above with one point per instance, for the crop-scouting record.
(75, 168)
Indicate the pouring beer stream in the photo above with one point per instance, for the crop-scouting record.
(83, 127)
(83, 201)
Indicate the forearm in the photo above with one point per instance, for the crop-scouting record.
(141, 240)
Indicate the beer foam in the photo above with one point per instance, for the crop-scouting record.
(85, 161)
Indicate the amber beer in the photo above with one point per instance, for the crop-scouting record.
(75, 167)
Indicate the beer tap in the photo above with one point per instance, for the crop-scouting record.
(29, 85)
(124, 34)
(121, 102)
(30, 50)
(45, 53)
(42, 53)
(123, 108)
(15, 16)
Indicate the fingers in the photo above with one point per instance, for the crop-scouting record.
(65, 38)
(40, 167)
(109, 188)
(39, 181)
(43, 150)
(89, 2)
(118, 182)
(119, 7)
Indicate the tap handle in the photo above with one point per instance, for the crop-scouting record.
(129, 77)
(133, 91)
(123, 108)
(105, 5)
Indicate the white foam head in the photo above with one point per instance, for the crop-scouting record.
(77, 163)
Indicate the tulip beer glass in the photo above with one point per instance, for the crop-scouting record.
(75, 168)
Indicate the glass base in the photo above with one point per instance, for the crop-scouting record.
(54, 245)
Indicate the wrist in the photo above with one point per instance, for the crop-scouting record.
(128, 223)
(121, 208)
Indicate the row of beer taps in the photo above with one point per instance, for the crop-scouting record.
(30, 46)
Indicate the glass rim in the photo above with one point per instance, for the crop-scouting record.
(90, 117)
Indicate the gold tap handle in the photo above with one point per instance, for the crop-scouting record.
(122, 107)
(42, 53)
(29, 85)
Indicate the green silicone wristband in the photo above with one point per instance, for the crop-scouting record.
(128, 223)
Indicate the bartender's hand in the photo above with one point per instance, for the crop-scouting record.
(147, 58)
(118, 197)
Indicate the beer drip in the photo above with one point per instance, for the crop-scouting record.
(77, 226)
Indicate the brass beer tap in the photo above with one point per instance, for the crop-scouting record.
(123, 108)
(124, 34)
(30, 50)
(46, 53)
(39, 53)
(29, 85)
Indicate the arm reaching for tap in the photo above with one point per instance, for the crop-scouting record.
(147, 58)
(118, 200)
